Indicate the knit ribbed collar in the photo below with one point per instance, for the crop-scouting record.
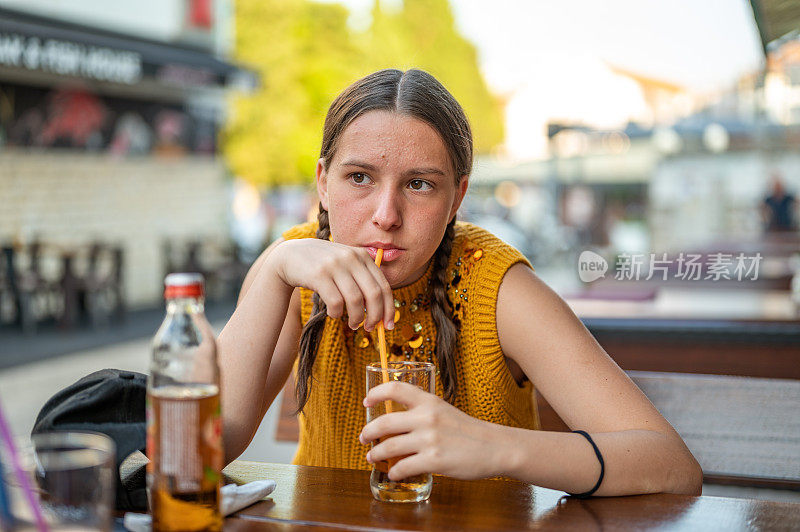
(413, 335)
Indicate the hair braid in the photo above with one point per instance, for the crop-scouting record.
(442, 312)
(312, 331)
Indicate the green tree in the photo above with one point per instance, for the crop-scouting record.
(302, 51)
(423, 34)
(305, 54)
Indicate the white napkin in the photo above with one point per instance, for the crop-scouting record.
(234, 498)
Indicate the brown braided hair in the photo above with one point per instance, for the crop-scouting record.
(417, 94)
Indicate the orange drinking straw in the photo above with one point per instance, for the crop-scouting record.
(382, 341)
(384, 361)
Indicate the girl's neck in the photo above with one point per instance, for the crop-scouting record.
(416, 276)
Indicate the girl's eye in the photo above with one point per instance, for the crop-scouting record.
(359, 178)
(419, 184)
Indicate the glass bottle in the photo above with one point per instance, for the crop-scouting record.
(184, 423)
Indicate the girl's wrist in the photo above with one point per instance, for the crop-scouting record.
(508, 452)
(275, 264)
(505, 455)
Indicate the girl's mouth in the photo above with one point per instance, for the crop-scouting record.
(389, 253)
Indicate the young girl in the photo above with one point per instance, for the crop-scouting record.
(394, 166)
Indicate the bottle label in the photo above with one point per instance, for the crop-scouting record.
(185, 437)
(179, 456)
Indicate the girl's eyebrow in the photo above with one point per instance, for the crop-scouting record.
(423, 171)
(412, 172)
(360, 164)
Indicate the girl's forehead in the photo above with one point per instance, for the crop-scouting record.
(383, 136)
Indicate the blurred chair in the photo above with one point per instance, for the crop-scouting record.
(70, 289)
(102, 285)
(7, 300)
(219, 262)
(94, 292)
(230, 272)
(184, 256)
(33, 296)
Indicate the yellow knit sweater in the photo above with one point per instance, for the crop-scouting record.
(334, 414)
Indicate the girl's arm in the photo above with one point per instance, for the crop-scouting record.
(642, 452)
(262, 334)
(259, 343)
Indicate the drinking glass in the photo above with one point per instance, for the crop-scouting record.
(72, 477)
(418, 487)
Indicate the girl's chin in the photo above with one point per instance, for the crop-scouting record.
(398, 274)
(395, 281)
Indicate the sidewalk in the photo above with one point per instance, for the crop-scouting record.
(50, 341)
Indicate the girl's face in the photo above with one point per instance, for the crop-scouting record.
(391, 185)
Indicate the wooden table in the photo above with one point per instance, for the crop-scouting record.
(326, 498)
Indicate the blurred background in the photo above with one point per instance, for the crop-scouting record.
(168, 135)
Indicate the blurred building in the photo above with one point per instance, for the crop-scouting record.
(109, 118)
(692, 173)
(712, 187)
(666, 101)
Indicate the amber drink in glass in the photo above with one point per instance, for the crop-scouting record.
(418, 487)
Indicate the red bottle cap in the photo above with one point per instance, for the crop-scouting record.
(180, 285)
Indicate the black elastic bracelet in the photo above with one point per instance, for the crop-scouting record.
(602, 468)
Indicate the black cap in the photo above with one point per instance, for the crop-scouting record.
(109, 401)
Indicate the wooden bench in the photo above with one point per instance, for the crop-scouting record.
(744, 431)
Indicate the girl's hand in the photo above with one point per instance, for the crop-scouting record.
(345, 278)
(438, 437)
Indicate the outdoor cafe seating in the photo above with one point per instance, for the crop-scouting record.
(46, 282)
(220, 262)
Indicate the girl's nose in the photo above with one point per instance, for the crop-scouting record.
(387, 214)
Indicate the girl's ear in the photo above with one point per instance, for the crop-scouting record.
(461, 191)
(322, 183)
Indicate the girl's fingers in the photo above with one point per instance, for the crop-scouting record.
(400, 445)
(347, 279)
(386, 425)
(373, 295)
(416, 464)
(330, 294)
(352, 295)
(386, 296)
(402, 392)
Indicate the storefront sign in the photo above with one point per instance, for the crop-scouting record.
(70, 58)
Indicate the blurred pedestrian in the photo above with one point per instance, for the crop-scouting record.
(779, 208)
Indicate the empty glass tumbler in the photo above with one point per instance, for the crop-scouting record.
(71, 475)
